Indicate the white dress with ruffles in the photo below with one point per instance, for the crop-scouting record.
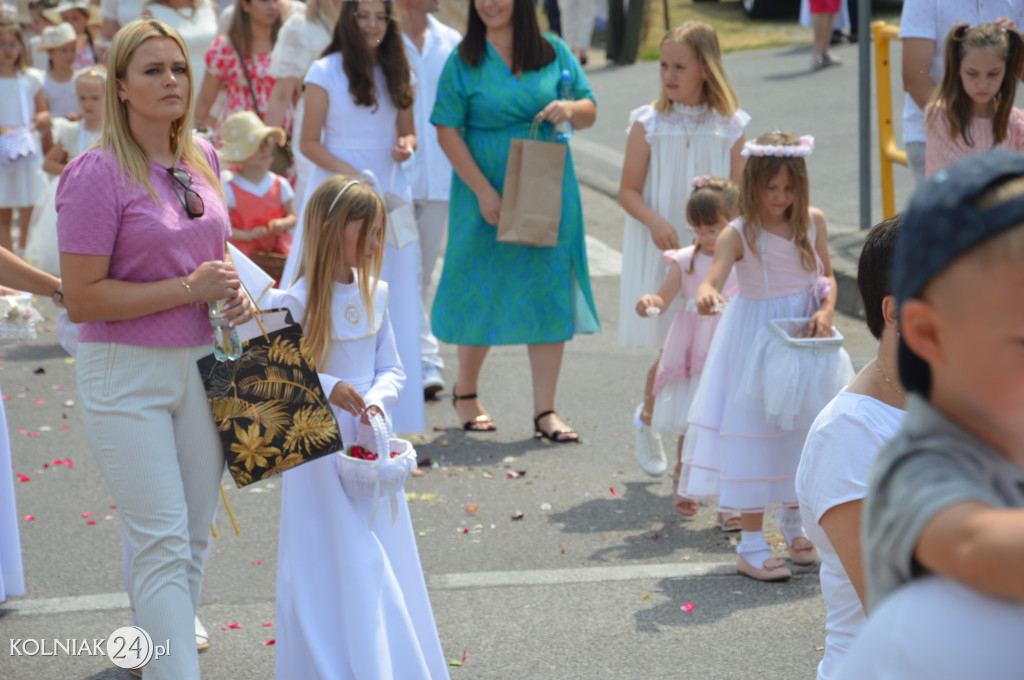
(41, 251)
(757, 397)
(352, 602)
(685, 142)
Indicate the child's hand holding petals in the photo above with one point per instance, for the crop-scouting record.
(820, 325)
(708, 299)
(345, 397)
(647, 303)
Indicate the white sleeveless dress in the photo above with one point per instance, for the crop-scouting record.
(685, 142)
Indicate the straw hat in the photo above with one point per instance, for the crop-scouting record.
(242, 134)
(54, 15)
(58, 36)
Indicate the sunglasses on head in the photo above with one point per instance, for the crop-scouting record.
(190, 199)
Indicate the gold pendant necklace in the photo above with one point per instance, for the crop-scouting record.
(887, 379)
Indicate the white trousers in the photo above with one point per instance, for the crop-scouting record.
(578, 22)
(151, 430)
(432, 221)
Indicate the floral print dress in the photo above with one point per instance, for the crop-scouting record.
(222, 61)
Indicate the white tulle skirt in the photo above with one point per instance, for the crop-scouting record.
(42, 250)
(756, 400)
(672, 406)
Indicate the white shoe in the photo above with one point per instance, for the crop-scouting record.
(432, 381)
(202, 637)
(649, 452)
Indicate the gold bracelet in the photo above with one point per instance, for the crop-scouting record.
(188, 289)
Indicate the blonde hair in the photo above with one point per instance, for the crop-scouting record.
(758, 171)
(239, 31)
(323, 241)
(323, 12)
(117, 135)
(98, 73)
(21, 63)
(702, 39)
(714, 200)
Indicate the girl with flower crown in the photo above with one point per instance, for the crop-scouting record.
(694, 128)
(758, 394)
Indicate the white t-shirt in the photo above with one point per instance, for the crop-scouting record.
(227, 178)
(428, 171)
(61, 98)
(937, 629)
(933, 20)
(12, 110)
(834, 469)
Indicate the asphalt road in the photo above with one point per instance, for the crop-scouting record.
(586, 585)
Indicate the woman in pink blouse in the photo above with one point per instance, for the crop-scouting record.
(238, 62)
(141, 225)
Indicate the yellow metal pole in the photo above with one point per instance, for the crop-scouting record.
(883, 83)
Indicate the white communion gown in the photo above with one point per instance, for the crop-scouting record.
(352, 603)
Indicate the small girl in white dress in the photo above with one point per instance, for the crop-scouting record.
(758, 395)
(351, 602)
(694, 128)
(61, 45)
(22, 113)
(70, 139)
(710, 208)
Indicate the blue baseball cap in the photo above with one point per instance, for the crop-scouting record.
(942, 223)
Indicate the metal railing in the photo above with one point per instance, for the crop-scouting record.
(889, 152)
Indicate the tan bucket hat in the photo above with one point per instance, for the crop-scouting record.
(242, 133)
(54, 15)
(58, 36)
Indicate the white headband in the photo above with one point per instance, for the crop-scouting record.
(802, 149)
(340, 194)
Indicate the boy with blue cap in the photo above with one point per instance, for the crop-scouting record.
(946, 496)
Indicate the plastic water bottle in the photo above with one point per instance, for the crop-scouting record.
(226, 344)
(563, 131)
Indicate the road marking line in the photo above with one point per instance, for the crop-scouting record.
(63, 605)
(599, 151)
(602, 259)
(482, 579)
(547, 577)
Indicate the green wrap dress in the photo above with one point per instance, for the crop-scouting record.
(495, 293)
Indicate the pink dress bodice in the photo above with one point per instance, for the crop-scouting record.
(943, 150)
(786, 273)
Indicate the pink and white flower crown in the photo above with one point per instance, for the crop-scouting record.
(802, 149)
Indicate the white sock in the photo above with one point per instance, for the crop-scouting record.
(789, 521)
(754, 548)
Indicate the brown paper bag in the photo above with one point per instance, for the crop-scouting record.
(531, 202)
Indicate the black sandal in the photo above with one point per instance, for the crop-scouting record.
(476, 424)
(558, 436)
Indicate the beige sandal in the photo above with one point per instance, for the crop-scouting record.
(774, 569)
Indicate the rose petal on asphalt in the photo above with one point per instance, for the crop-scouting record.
(40, 401)
(29, 518)
(612, 489)
(86, 514)
(517, 515)
(688, 607)
(234, 625)
(92, 521)
(471, 508)
(257, 562)
(267, 625)
(271, 641)
(23, 477)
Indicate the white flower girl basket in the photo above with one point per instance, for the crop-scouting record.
(18, 317)
(368, 478)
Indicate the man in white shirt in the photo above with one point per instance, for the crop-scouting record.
(428, 44)
(924, 25)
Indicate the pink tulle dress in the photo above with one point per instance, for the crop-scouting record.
(687, 343)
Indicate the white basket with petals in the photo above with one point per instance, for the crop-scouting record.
(366, 474)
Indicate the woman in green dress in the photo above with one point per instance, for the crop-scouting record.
(504, 76)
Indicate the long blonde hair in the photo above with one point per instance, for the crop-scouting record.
(22, 62)
(323, 242)
(117, 135)
(324, 12)
(758, 171)
(702, 39)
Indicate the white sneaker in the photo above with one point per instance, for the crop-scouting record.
(202, 637)
(649, 452)
(432, 381)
